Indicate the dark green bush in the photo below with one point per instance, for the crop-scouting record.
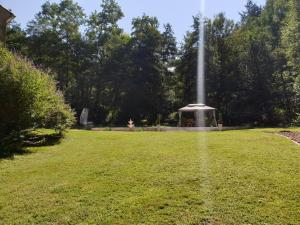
(29, 98)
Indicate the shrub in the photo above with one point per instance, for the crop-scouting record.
(28, 98)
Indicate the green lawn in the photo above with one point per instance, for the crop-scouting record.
(119, 178)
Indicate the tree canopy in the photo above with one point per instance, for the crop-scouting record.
(252, 66)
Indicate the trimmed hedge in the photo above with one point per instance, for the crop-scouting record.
(29, 98)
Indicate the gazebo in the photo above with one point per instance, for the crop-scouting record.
(199, 111)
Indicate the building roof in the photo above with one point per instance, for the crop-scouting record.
(6, 14)
(196, 107)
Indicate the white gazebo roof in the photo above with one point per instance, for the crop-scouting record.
(196, 107)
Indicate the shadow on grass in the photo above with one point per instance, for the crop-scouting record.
(20, 146)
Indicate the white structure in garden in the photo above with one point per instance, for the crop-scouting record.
(201, 111)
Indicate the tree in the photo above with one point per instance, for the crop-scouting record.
(105, 39)
(221, 77)
(169, 75)
(54, 34)
(291, 48)
(169, 48)
(252, 11)
(187, 65)
(145, 92)
(16, 39)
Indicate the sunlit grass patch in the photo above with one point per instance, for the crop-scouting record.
(250, 177)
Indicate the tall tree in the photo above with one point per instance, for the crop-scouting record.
(187, 64)
(144, 99)
(220, 76)
(169, 77)
(104, 37)
(291, 48)
(54, 35)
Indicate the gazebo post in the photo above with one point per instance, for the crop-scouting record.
(214, 115)
(180, 116)
(198, 115)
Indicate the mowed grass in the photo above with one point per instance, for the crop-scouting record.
(120, 178)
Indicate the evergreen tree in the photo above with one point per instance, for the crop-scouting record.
(104, 37)
(144, 99)
(169, 75)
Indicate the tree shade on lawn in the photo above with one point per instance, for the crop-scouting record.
(251, 177)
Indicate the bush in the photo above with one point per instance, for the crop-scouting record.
(28, 98)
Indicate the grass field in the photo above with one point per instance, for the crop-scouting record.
(118, 178)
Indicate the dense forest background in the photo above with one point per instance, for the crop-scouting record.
(252, 66)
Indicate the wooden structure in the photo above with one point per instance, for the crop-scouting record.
(199, 111)
(5, 17)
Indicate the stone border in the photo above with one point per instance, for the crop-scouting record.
(292, 136)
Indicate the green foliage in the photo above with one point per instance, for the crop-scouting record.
(291, 37)
(28, 98)
(252, 11)
(251, 66)
(16, 39)
(54, 38)
(146, 92)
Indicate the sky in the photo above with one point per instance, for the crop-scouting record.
(177, 12)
